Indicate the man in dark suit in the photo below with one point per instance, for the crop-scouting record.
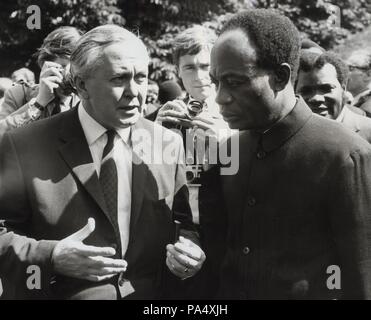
(104, 162)
(322, 82)
(299, 221)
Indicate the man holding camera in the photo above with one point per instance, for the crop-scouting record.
(25, 103)
(202, 127)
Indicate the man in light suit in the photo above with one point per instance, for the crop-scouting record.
(104, 164)
(322, 82)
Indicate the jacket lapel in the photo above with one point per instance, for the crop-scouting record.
(76, 153)
(141, 150)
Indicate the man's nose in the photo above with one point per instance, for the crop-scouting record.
(222, 96)
(132, 89)
(316, 100)
(202, 74)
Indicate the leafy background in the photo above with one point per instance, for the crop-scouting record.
(158, 21)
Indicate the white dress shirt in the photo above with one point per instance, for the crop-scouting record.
(122, 153)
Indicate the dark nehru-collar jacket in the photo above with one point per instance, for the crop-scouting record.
(299, 213)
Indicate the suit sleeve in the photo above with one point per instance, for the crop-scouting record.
(350, 218)
(14, 109)
(17, 250)
(181, 208)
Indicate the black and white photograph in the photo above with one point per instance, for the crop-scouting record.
(185, 154)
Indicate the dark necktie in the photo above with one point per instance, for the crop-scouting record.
(57, 106)
(108, 177)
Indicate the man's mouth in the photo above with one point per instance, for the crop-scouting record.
(128, 108)
(227, 117)
(321, 110)
(203, 86)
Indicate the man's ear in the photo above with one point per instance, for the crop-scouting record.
(81, 87)
(282, 76)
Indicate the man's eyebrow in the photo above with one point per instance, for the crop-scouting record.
(188, 65)
(120, 72)
(326, 85)
(307, 87)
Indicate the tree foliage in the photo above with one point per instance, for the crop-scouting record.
(159, 21)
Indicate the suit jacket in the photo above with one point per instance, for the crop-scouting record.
(363, 101)
(357, 123)
(299, 204)
(49, 188)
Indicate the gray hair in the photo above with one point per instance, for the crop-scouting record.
(87, 55)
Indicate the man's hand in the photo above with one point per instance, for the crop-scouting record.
(216, 129)
(185, 258)
(74, 259)
(50, 79)
(174, 112)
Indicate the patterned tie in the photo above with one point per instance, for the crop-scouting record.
(108, 177)
(57, 106)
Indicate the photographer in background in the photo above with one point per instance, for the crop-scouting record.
(200, 122)
(23, 75)
(25, 103)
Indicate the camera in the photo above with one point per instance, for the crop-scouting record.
(194, 108)
(66, 87)
(193, 173)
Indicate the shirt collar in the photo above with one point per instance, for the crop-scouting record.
(287, 127)
(94, 130)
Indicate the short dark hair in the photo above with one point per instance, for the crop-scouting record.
(58, 44)
(276, 38)
(191, 41)
(310, 61)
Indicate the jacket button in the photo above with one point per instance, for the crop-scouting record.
(261, 154)
(251, 201)
(246, 250)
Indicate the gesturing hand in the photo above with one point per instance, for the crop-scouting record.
(74, 259)
(185, 258)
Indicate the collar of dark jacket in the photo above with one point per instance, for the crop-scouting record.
(286, 127)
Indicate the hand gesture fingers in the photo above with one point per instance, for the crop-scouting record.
(182, 259)
(187, 247)
(84, 232)
(108, 262)
(176, 269)
(99, 278)
(71, 257)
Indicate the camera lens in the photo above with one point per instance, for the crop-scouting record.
(190, 175)
(194, 108)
